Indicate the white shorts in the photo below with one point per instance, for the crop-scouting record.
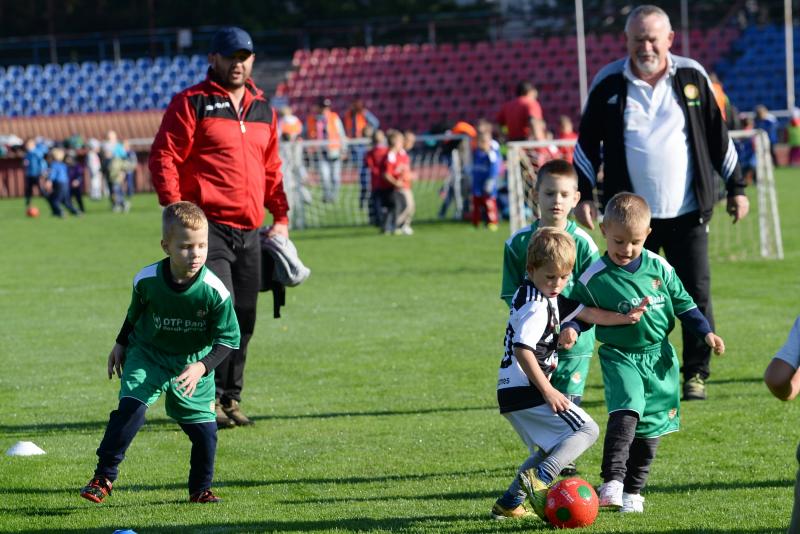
(542, 427)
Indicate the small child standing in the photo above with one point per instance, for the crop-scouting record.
(566, 132)
(58, 176)
(373, 161)
(75, 171)
(783, 380)
(539, 321)
(486, 164)
(396, 170)
(556, 194)
(180, 325)
(640, 368)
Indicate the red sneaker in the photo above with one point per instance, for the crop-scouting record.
(204, 497)
(97, 489)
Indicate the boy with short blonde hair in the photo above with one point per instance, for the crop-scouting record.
(539, 321)
(180, 325)
(640, 368)
(556, 194)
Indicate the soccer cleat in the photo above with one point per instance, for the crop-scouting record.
(518, 512)
(694, 388)
(97, 489)
(492, 226)
(632, 502)
(223, 421)
(569, 470)
(205, 496)
(235, 414)
(535, 489)
(610, 494)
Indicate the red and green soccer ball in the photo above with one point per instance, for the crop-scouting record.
(571, 503)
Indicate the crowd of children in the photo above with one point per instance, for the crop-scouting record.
(63, 173)
(551, 270)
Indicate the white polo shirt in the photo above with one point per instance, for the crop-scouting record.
(657, 145)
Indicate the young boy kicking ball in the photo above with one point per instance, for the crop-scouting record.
(539, 321)
(180, 325)
(640, 368)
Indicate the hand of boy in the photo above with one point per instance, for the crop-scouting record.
(715, 342)
(116, 359)
(186, 382)
(636, 313)
(567, 338)
(555, 399)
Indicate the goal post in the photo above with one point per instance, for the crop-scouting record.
(317, 199)
(756, 236)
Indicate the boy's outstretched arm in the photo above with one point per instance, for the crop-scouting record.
(610, 318)
(782, 379)
(554, 398)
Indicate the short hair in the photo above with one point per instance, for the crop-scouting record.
(183, 213)
(556, 167)
(628, 209)
(523, 88)
(645, 11)
(58, 154)
(551, 245)
(392, 134)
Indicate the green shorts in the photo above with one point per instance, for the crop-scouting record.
(646, 382)
(146, 376)
(570, 375)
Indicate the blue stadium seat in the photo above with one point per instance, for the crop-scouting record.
(88, 67)
(14, 71)
(70, 68)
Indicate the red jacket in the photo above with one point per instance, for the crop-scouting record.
(229, 167)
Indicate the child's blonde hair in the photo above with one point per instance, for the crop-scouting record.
(182, 213)
(551, 245)
(58, 154)
(556, 168)
(628, 209)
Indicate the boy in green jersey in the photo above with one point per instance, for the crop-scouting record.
(640, 368)
(180, 325)
(556, 193)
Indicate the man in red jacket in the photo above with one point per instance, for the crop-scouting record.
(218, 147)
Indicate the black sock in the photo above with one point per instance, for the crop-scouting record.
(620, 432)
(204, 448)
(123, 424)
(643, 452)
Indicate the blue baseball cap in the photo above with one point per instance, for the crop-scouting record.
(229, 40)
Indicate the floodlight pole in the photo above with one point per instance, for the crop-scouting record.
(685, 27)
(582, 83)
(789, 44)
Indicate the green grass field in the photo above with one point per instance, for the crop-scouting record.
(373, 396)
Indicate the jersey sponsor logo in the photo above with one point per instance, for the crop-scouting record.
(656, 302)
(178, 324)
(218, 105)
(691, 91)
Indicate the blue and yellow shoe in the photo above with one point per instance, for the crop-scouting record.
(519, 512)
(535, 489)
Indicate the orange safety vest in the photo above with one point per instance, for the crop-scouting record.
(721, 98)
(354, 123)
(332, 128)
(290, 126)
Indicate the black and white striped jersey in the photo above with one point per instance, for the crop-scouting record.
(533, 323)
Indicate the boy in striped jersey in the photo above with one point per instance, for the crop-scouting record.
(556, 193)
(180, 325)
(539, 321)
(640, 368)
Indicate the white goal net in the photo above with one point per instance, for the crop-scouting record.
(330, 193)
(756, 236)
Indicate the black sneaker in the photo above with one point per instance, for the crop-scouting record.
(569, 470)
(694, 388)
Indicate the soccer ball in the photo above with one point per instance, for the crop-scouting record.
(32, 211)
(571, 503)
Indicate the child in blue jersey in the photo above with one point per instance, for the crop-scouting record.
(180, 325)
(555, 430)
(35, 169)
(783, 380)
(58, 175)
(486, 165)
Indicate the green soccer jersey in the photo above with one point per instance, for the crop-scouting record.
(606, 285)
(185, 323)
(515, 254)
